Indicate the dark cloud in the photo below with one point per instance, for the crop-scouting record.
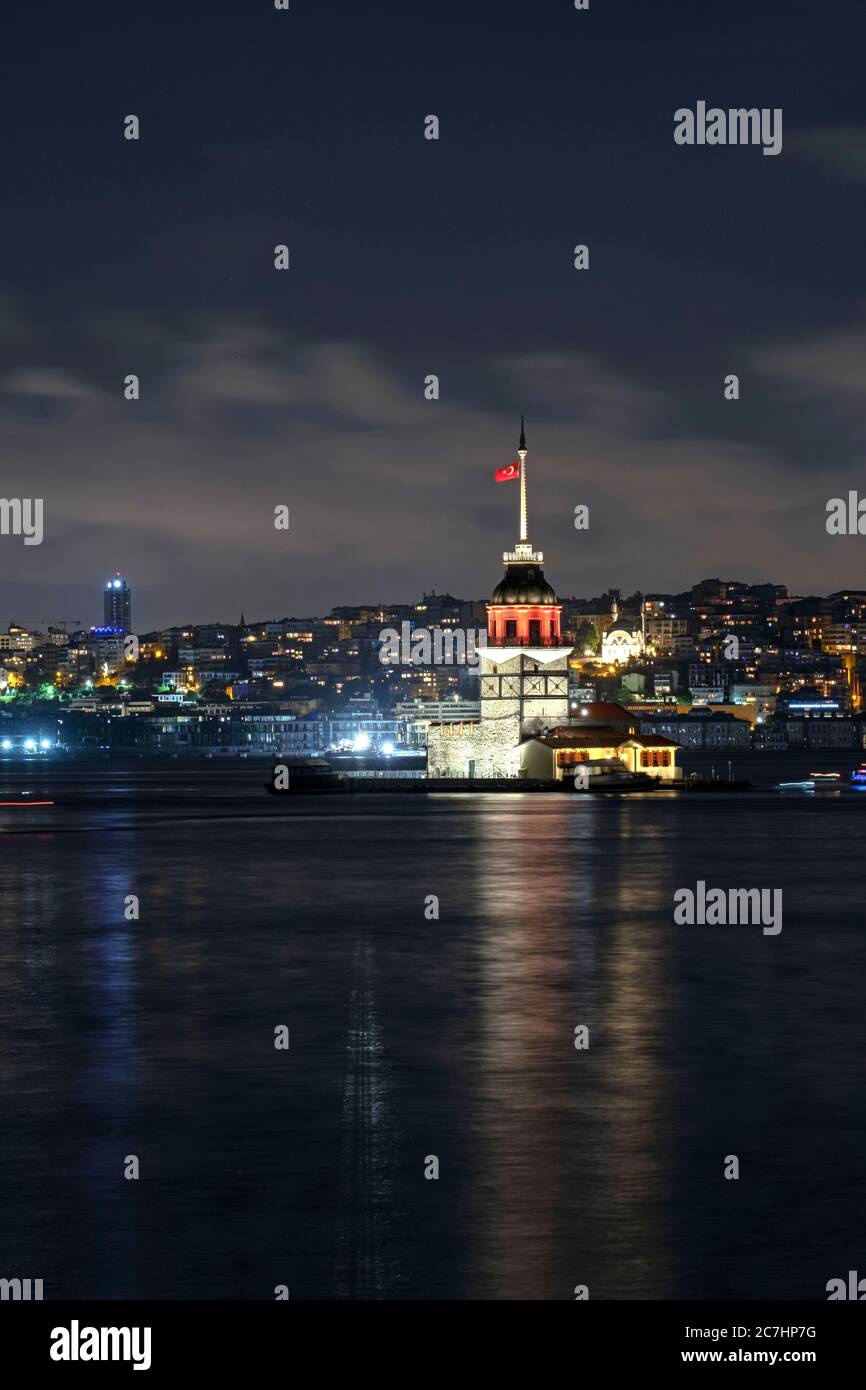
(390, 493)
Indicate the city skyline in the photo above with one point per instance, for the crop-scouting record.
(407, 601)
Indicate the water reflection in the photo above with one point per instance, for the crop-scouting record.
(574, 1177)
(366, 1267)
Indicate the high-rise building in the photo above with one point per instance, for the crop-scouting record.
(118, 604)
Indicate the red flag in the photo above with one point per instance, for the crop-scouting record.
(504, 475)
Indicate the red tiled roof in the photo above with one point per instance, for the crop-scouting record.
(609, 710)
(651, 741)
(602, 736)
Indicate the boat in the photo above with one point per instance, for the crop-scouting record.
(858, 776)
(25, 799)
(826, 782)
(804, 788)
(604, 776)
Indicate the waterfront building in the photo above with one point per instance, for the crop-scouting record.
(560, 752)
(704, 727)
(841, 732)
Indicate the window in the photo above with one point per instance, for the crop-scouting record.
(566, 757)
(510, 627)
(534, 631)
(655, 757)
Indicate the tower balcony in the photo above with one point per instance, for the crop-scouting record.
(525, 641)
(523, 555)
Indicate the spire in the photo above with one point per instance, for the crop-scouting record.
(522, 456)
(523, 552)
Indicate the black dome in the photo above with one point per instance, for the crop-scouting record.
(523, 583)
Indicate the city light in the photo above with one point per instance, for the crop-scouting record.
(362, 743)
(388, 749)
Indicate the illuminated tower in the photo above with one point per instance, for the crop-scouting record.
(524, 667)
(118, 604)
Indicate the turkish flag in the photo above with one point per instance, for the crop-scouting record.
(504, 475)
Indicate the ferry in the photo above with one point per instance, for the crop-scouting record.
(858, 776)
(805, 788)
(826, 783)
(24, 799)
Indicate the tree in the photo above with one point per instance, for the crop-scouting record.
(588, 637)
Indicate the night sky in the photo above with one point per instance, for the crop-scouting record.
(411, 257)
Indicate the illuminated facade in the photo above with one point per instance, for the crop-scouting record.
(557, 754)
(118, 604)
(524, 669)
(622, 642)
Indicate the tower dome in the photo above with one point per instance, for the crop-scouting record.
(523, 583)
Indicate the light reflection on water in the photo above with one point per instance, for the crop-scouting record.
(412, 1038)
